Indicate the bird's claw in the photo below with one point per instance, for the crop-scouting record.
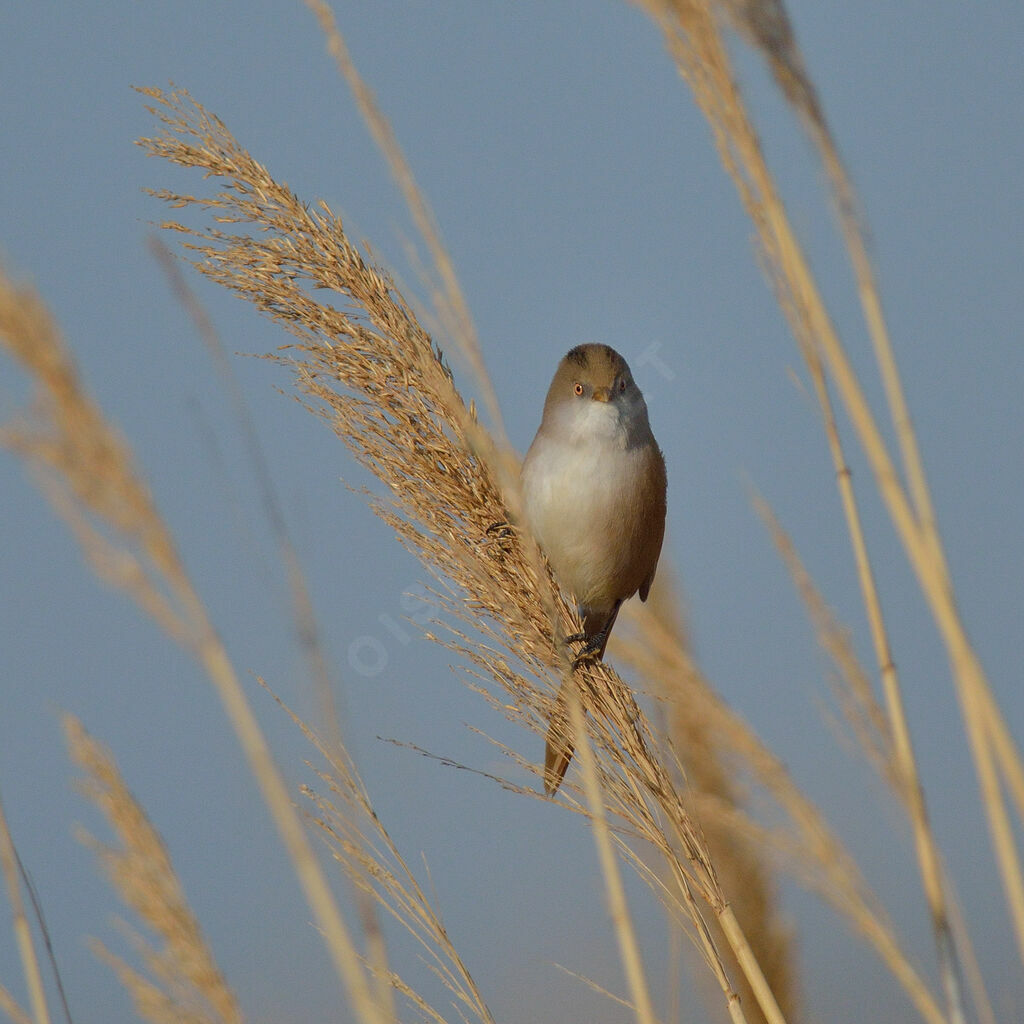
(591, 649)
(504, 529)
(501, 535)
(585, 657)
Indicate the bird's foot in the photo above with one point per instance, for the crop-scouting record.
(501, 534)
(586, 657)
(592, 649)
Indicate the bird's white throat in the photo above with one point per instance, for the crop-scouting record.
(620, 423)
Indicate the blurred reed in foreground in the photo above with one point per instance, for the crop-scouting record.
(186, 984)
(88, 473)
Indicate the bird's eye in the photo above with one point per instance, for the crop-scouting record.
(622, 384)
(578, 389)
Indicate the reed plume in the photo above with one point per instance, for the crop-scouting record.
(184, 983)
(372, 372)
(359, 842)
(87, 471)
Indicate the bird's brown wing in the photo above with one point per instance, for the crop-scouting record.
(655, 501)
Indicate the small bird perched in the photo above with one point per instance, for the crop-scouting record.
(594, 497)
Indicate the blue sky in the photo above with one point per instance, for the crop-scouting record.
(577, 188)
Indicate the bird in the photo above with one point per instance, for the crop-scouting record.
(594, 493)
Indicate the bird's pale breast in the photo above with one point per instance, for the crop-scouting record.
(598, 512)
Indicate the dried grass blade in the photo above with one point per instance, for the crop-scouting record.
(629, 950)
(22, 931)
(692, 32)
(812, 852)
(887, 743)
(140, 869)
(93, 475)
(450, 302)
(10, 1007)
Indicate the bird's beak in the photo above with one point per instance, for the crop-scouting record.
(602, 394)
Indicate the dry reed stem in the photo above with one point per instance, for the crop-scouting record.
(307, 629)
(688, 861)
(450, 303)
(766, 25)
(741, 866)
(952, 939)
(88, 474)
(740, 946)
(368, 367)
(693, 37)
(618, 910)
(635, 788)
(885, 742)
(140, 869)
(22, 931)
(838, 885)
(805, 846)
(972, 684)
(10, 1007)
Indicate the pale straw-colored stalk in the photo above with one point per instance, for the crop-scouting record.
(10, 1007)
(766, 25)
(618, 910)
(451, 305)
(803, 844)
(627, 792)
(708, 768)
(875, 735)
(904, 772)
(22, 929)
(89, 475)
(692, 31)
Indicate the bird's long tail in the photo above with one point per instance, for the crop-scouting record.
(559, 746)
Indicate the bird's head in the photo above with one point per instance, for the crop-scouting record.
(593, 397)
